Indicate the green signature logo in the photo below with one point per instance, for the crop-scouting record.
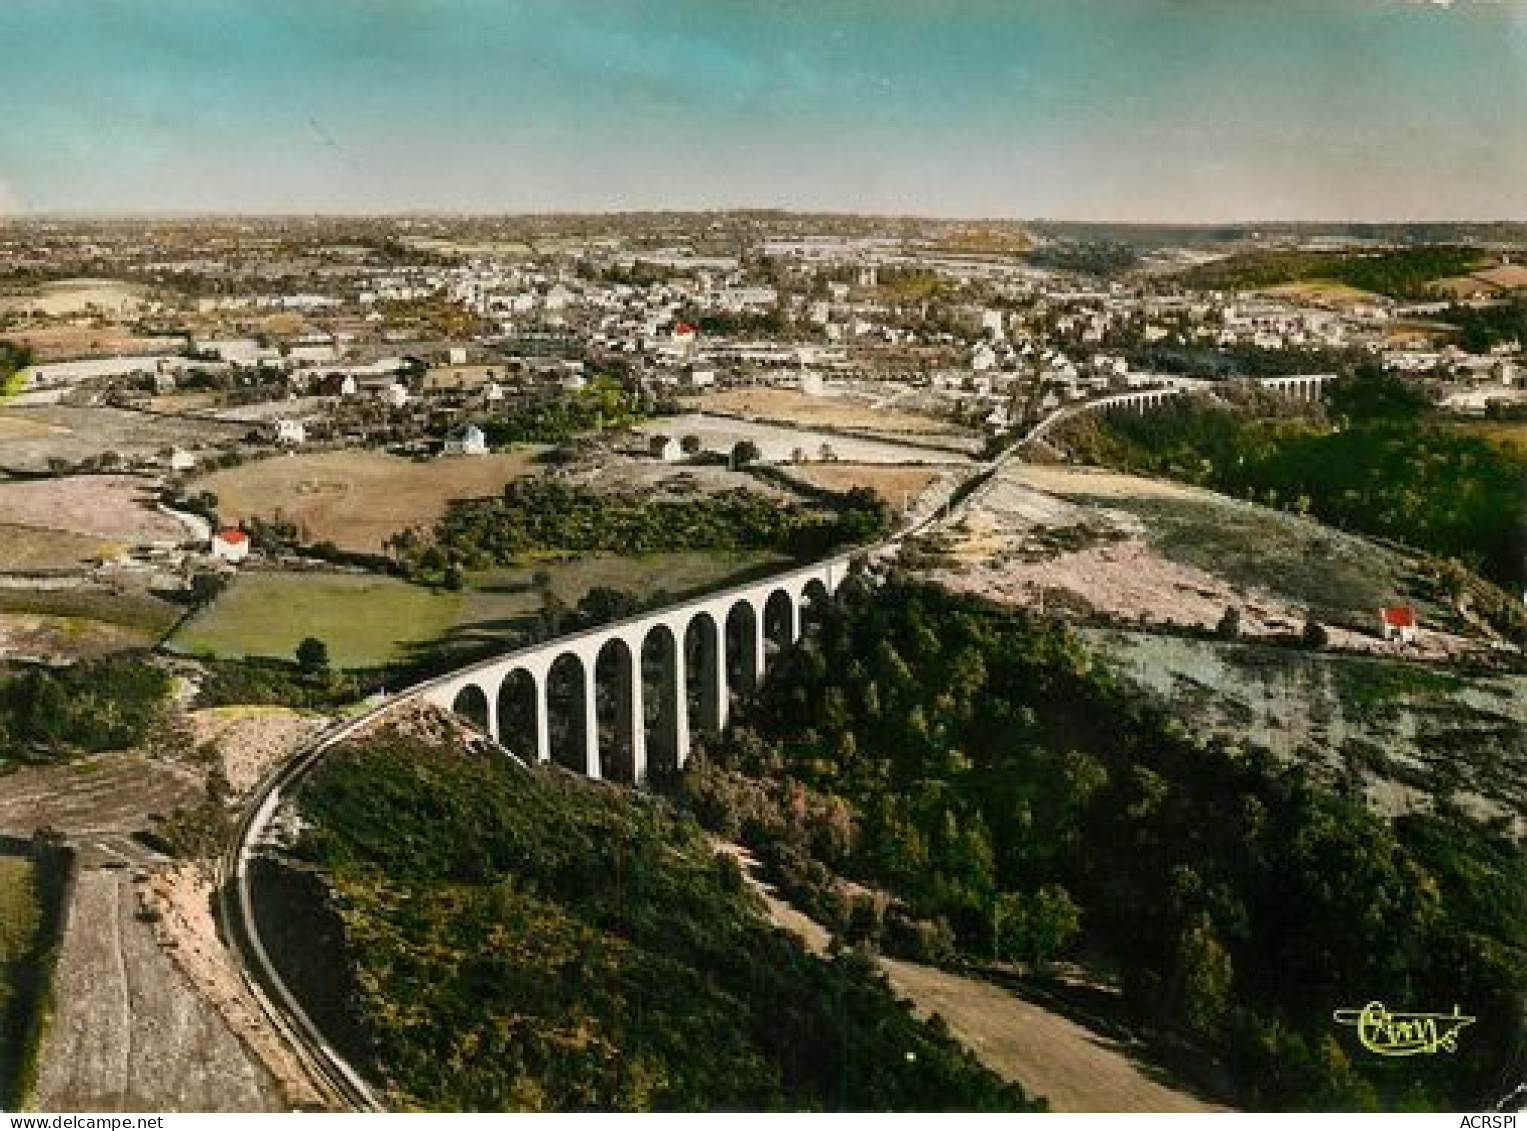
(1404, 1034)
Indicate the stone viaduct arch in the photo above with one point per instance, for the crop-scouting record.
(623, 699)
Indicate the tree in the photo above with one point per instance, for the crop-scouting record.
(206, 586)
(1007, 915)
(1229, 627)
(1204, 976)
(603, 604)
(1034, 928)
(745, 452)
(1053, 921)
(313, 656)
(1370, 393)
(690, 445)
(1314, 634)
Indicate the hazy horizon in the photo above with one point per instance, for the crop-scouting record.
(1202, 112)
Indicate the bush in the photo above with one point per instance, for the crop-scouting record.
(1229, 626)
(106, 704)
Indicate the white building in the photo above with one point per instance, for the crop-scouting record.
(230, 545)
(466, 441)
(291, 432)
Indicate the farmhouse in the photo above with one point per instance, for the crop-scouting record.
(466, 441)
(230, 545)
(1398, 622)
(291, 432)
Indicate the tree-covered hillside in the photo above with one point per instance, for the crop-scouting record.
(529, 941)
(978, 767)
(1402, 273)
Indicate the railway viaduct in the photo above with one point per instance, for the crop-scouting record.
(1304, 387)
(618, 701)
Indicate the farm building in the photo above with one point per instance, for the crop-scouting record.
(230, 545)
(466, 441)
(1398, 622)
(291, 432)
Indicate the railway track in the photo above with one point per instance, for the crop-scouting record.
(340, 1084)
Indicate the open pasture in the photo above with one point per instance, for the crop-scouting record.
(834, 411)
(116, 508)
(898, 486)
(355, 499)
(71, 433)
(369, 621)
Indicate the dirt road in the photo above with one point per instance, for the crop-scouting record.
(1071, 1066)
(1048, 1055)
(129, 1033)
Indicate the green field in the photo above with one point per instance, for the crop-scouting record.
(368, 621)
(365, 620)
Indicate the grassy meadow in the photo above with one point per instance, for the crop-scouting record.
(369, 621)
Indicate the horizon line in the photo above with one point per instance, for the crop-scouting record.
(836, 213)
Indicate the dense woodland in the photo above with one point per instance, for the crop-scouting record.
(529, 941)
(1237, 360)
(544, 515)
(1013, 801)
(603, 403)
(1101, 257)
(1403, 273)
(1482, 327)
(108, 704)
(1378, 464)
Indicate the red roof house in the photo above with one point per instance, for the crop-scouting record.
(230, 545)
(1398, 622)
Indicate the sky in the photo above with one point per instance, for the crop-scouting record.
(1148, 110)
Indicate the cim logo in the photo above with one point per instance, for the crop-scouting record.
(1403, 1034)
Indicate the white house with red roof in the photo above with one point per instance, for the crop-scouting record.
(1398, 622)
(230, 545)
